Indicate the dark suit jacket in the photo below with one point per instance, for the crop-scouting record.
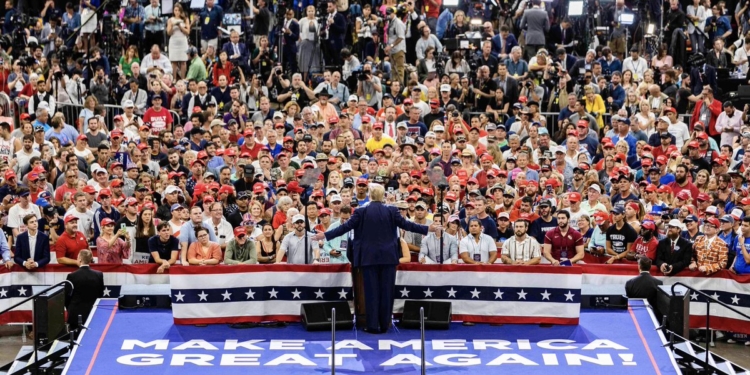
(511, 89)
(337, 29)
(556, 37)
(244, 55)
(643, 286)
(678, 259)
(41, 250)
(88, 285)
(697, 83)
(570, 60)
(497, 49)
(290, 40)
(375, 237)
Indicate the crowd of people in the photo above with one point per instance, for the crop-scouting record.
(233, 149)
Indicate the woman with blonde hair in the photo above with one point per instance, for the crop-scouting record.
(701, 181)
(291, 108)
(631, 103)
(594, 105)
(646, 118)
(335, 181)
(458, 26)
(127, 59)
(628, 83)
(87, 112)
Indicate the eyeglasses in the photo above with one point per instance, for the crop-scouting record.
(204, 235)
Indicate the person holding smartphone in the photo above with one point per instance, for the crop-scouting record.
(674, 253)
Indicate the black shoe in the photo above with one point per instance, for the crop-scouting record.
(373, 331)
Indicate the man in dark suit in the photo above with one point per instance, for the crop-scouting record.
(508, 84)
(673, 253)
(335, 29)
(566, 60)
(503, 42)
(376, 250)
(644, 285)
(290, 28)
(236, 51)
(561, 35)
(536, 23)
(32, 246)
(702, 76)
(88, 286)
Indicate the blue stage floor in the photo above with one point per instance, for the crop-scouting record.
(147, 342)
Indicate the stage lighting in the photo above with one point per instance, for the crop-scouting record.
(450, 3)
(650, 29)
(575, 8)
(476, 22)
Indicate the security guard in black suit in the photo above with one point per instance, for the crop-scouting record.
(88, 286)
(644, 285)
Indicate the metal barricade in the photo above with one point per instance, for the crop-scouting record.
(71, 113)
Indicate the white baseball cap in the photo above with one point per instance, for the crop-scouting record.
(297, 218)
(346, 167)
(445, 88)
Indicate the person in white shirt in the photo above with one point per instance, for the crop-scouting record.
(85, 216)
(21, 210)
(740, 56)
(351, 64)
(219, 225)
(156, 61)
(636, 64)
(521, 249)
(677, 128)
(477, 247)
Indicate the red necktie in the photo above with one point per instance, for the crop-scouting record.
(390, 130)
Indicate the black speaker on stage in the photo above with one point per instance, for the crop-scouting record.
(675, 307)
(437, 315)
(49, 316)
(317, 316)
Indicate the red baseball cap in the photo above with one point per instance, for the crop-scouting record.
(107, 221)
(661, 159)
(683, 195)
(259, 188)
(651, 188)
(10, 174)
(226, 189)
(648, 225)
(240, 231)
(89, 189)
(574, 197)
(69, 218)
(703, 197)
(105, 193)
(713, 221)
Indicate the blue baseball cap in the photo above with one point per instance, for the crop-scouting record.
(618, 209)
(42, 203)
(175, 207)
(691, 218)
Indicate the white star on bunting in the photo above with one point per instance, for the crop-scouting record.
(250, 294)
(22, 291)
(452, 293)
(3, 293)
(343, 293)
(475, 293)
(499, 294)
(296, 293)
(735, 300)
(569, 296)
(715, 296)
(226, 295)
(106, 292)
(546, 295)
(319, 294)
(693, 296)
(179, 297)
(521, 294)
(404, 292)
(203, 296)
(273, 293)
(428, 293)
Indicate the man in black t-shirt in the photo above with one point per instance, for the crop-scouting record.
(504, 230)
(620, 236)
(164, 247)
(484, 89)
(262, 21)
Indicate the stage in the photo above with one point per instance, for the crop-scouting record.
(126, 342)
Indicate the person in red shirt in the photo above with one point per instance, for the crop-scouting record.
(158, 116)
(681, 182)
(563, 242)
(250, 145)
(646, 243)
(70, 186)
(70, 243)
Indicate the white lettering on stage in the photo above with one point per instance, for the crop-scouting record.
(570, 353)
(511, 359)
(291, 359)
(495, 344)
(339, 358)
(141, 359)
(157, 344)
(449, 345)
(458, 360)
(240, 360)
(193, 359)
(404, 359)
(196, 344)
(287, 345)
(249, 345)
(350, 344)
(576, 359)
(548, 344)
(387, 344)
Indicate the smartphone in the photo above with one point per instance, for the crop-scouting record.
(122, 226)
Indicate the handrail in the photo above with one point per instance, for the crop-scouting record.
(712, 299)
(709, 299)
(27, 299)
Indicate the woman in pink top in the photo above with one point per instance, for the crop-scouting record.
(112, 247)
(203, 252)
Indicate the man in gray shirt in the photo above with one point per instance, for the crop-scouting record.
(293, 245)
(429, 251)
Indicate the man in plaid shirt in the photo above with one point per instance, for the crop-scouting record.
(710, 251)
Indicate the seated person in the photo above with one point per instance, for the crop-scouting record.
(240, 250)
(164, 247)
(203, 252)
(710, 251)
(477, 247)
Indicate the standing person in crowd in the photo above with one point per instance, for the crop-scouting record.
(112, 248)
(32, 246)
(84, 288)
(674, 253)
(178, 28)
(211, 17)
(164, 247)
(563, 243)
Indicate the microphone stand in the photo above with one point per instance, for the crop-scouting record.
(442, 188)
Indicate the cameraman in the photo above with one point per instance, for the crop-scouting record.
(530, 90)
(263, 57)
(100, 85)
(396, 49)
(17, 79)
(484, 88)
(277, 83)
(262, 21)
(369, 87)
